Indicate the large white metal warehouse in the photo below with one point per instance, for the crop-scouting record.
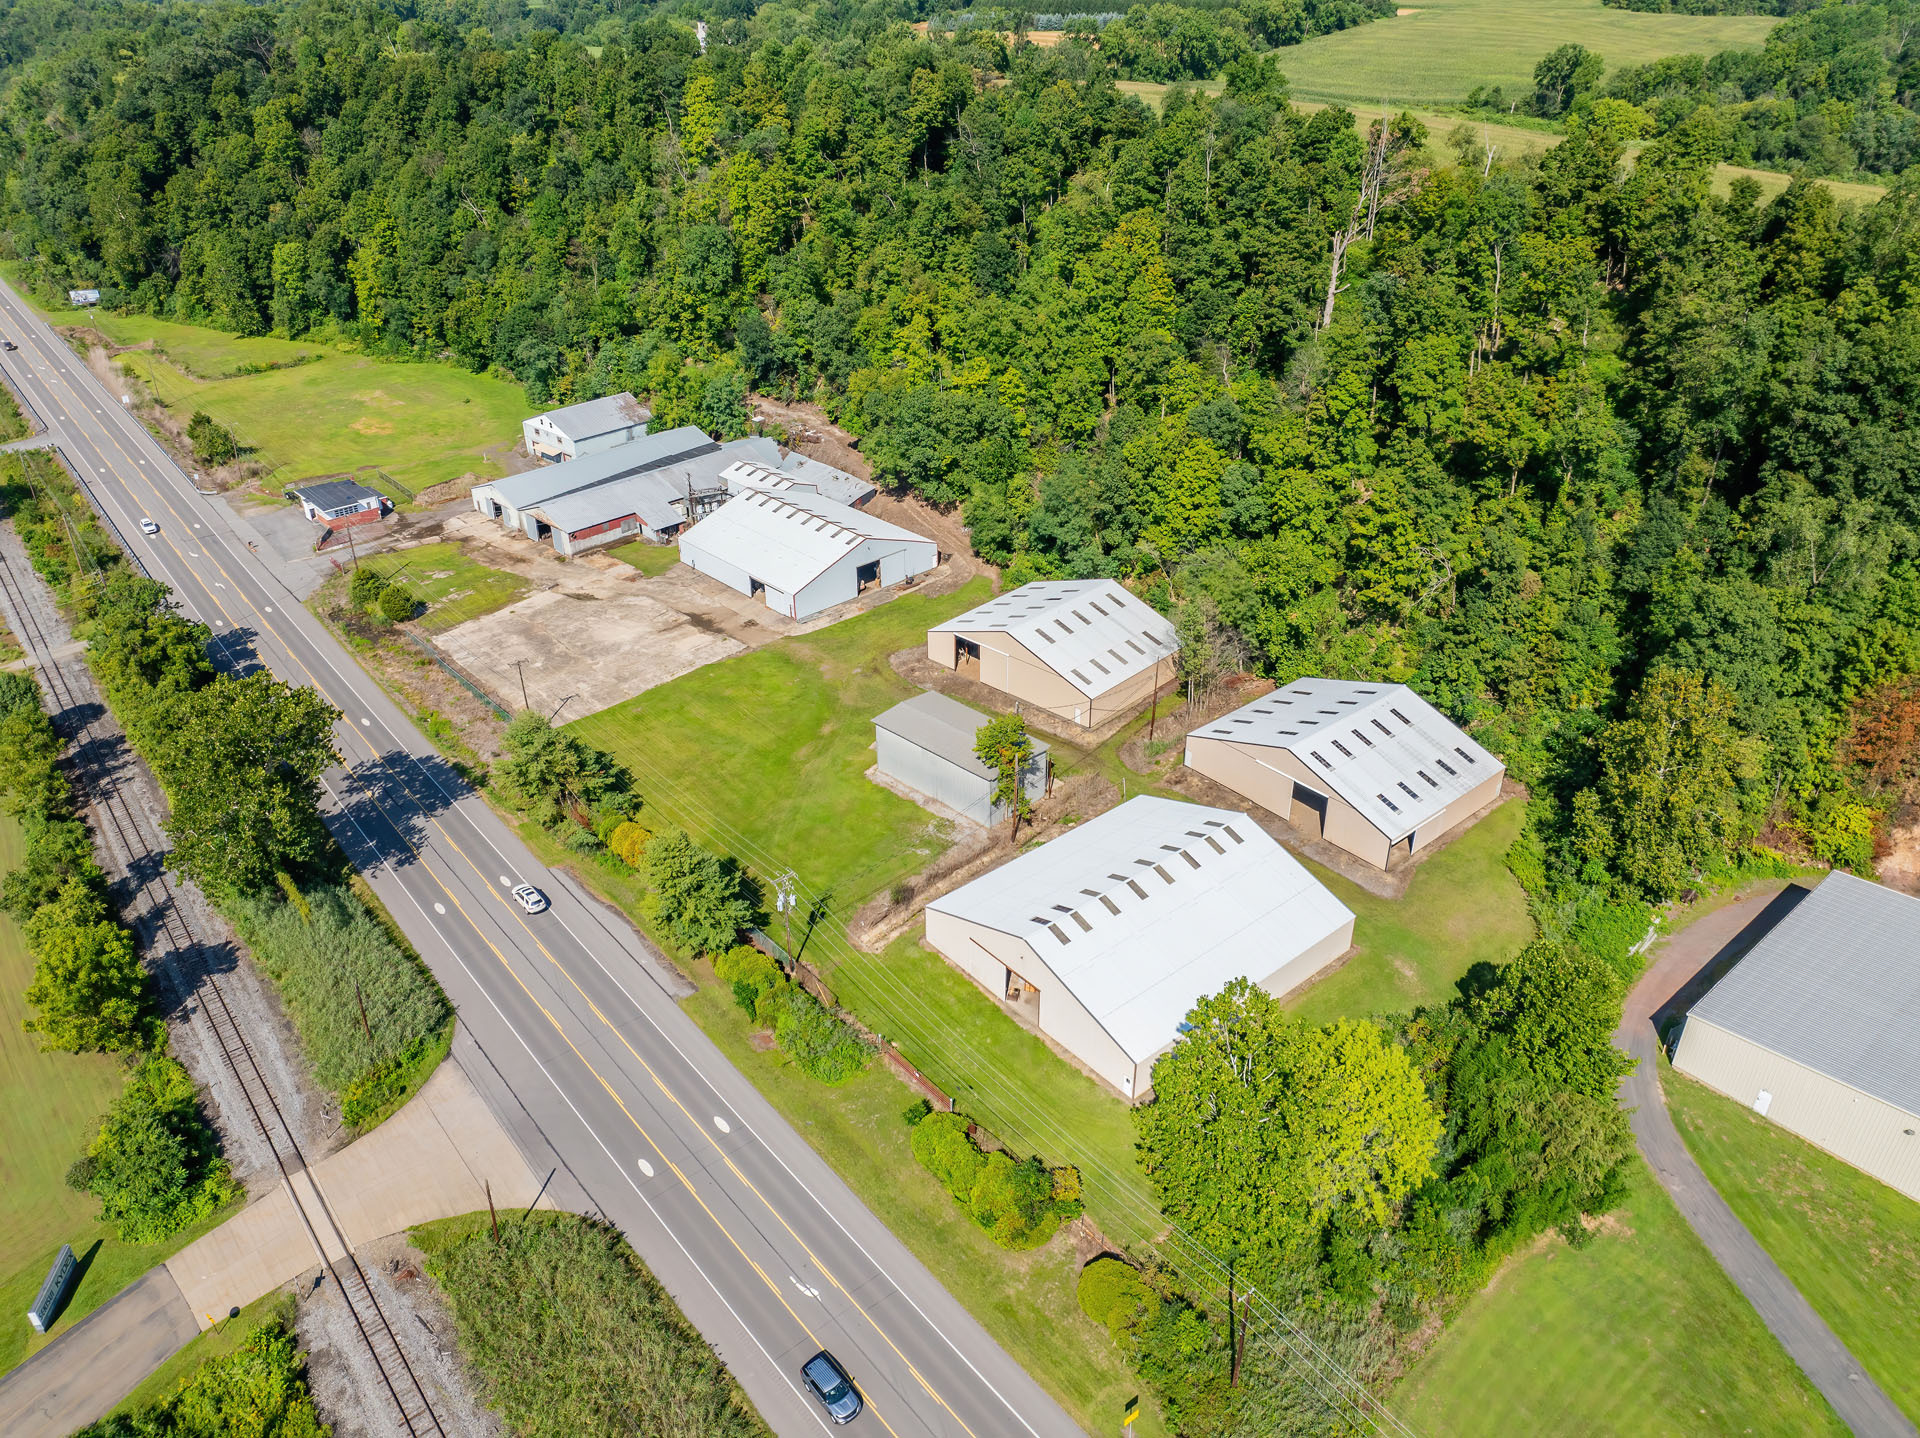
(1107, 936)
(802, 552)
(1818, 1028)
(585, 428)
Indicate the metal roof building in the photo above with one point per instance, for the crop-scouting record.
(512, 500)
(585, 428)
(926, 743)
(336, 499)
(1373, 768)
(1818, 1028)
(801, 552)
(1106, 937)
(1082, 649)
(797, 474)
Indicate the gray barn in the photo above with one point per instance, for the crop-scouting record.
(926, 743)
(1818, 1028)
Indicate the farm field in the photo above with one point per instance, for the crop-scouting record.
(1849, 1243)
(334, 414)
(454, 587)
(49, 1105)
(1462, 908)
(1515, 140)
(1433, 53)
(1637, 1334)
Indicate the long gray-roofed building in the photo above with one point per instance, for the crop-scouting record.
(514, 500)
(1105, 938)
(585, 428)
(926, 743)
(1372, 768)
(1818, 1028)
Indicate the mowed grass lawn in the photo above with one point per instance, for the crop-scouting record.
(1444, 48)
(764, 755)
(342, 412)
(454, 587)
(1463, 908)
(1638, 1334)
(1849, 1243)
(50, 1105)
(652, 560)
(1025, 1300)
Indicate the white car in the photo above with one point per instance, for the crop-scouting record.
(529, 898)
(147, 526)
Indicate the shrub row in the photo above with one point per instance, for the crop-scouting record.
(257, 1391)
(820, 1043)
(154, 1165)
(1020, 1203)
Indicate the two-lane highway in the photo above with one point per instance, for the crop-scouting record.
(766, 1250)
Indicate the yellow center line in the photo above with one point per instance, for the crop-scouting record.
(380, 760)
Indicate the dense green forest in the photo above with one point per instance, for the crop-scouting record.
(1618, 472)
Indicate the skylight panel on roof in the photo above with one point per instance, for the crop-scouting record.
(1388, 802)
(1048, 637)
(1464, 754)
(1078, 675)
(1098, 665)
(1118, 657)
(1058, 932)
(1065, 628)
(1363, 738)
(1216, 844)
(1407, 789)
(1085, 927)
(1081, 617)
(1344, 750)
(1401, 717)
(1135, 647)
(1192, 863)
(1322, 758)
(1163, 873)
(1366, 691)
(1383, 728)
(1171, 848)
(1232, 835)
(1112, 908)
(1097, 609)
(1448, 767)
(1431, 781)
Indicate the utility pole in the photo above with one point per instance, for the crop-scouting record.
(520, 668)
(1153, 700)
(363, 1010)
(783, 904)
(493, 1215)
(561, 705)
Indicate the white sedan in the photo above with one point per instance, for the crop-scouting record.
(147, 526)
(529, 898)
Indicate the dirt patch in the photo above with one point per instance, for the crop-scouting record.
(346, 1386)
(1899, 866)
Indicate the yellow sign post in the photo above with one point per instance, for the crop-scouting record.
(1133, 1412)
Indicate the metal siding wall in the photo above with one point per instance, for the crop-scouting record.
(929, 774)
(941, 649)
(1303, 966)
(1455, 814)
(836, 586)
(696, 555)
(1007, 665)
(1061, 1016)
(1863, 1131)
(1266, 776)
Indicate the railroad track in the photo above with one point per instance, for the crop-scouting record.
(195, 980)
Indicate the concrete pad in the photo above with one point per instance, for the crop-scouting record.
(431, 1160)
(80, 1376)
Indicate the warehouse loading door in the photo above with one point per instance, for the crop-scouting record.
(1309, 811)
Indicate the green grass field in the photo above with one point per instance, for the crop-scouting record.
(217, 1342)
(1462, 908)
(1637, 1334)
(340, 413)
(49, 1106)
(1849, 1243)
(652, 560)
(454, 587)
(764, 755)
(1435, 51)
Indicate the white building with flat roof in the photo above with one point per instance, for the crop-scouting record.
(1106, 937)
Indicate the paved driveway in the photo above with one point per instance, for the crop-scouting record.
(1683, 969)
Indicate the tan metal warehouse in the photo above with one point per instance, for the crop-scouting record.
(1818, 1028)
(1108, 935)
(1082, 649)
(1372, 768)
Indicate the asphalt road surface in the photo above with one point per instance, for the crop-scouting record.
(765, 1249)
